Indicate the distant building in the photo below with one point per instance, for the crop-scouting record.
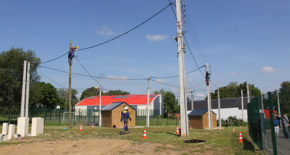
(229, 107)
(90, 106)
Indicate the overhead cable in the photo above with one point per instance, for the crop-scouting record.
(114, 38)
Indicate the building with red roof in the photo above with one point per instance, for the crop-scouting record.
(139, 102)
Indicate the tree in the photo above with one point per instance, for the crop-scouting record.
(170, 103)
(285, 97)
(11, 72)
(47, 96)
(233, 90)
(92, 91)
(63, 97)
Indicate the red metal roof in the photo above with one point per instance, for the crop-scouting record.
(106, 100)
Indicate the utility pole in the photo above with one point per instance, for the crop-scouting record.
(27, 89)
(208, 97)
(242, 102)
(219, 106)
(181, 51)
(192, 107)
(23, 90)
(248, 93)
(100, 101)
(70, 57)
(148, 97)
(69, 89)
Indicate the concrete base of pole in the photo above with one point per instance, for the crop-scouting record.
(11, 131)
(22, 126)
(37, 126)
(5, 129)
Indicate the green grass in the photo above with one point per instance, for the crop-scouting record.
(223, 141)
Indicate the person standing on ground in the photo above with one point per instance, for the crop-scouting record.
(227, 123)
(276, 123)
(125, 115)
(285, 123)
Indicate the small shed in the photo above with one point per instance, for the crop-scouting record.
(111, 114)
(199, 119)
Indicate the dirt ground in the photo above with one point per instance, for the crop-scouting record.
(90, 147)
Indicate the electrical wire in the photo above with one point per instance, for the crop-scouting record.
(124, 33)
(174, 76)
(114, 38)
(55, 58)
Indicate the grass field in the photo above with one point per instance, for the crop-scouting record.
(216, 142)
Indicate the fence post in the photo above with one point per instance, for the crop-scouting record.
(58, 117)
(272, 125)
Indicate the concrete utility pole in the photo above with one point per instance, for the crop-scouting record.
(100, 102)
(27, 89)
(219, 106)
(192, 107)
(160, 104)
(248, 93)
(148, 97)
(23, 90)
(262, 104)
(181, 51)
(242, 102)
(208, 98)
(69, 89)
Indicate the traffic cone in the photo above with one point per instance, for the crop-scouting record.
(145, 135)
(233, 130)
(81, 127)
(177, 131)
(92, 125)
(241, 138)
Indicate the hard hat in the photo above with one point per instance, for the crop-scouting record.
(126, 108)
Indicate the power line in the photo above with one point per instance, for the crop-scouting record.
(122, 34)
(92, 77)
(118, 36)
(55, 58)
(174, 76)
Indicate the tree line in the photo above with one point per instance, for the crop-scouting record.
(45, 95)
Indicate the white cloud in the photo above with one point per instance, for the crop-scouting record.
(234, 74)
(104, 31)
(268, 69)
(117, 77)
(161, 80)
(156, 37)
(200, 95)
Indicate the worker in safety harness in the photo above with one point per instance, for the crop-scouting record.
(124, 120)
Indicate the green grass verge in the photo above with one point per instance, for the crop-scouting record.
(222, 141)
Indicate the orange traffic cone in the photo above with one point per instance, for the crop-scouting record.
(233, 130)
(81, 127)
(177, 131)
(92, 125)
(145, 135)
(241, 138)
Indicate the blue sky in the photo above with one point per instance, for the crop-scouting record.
(241, 40)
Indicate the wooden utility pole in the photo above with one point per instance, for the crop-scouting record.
(208, 98)
(69, 88)
(181, 68)
(148, 105)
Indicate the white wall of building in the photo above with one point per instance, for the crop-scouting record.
(234, 112)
